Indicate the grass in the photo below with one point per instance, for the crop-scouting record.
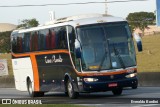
(147, 61)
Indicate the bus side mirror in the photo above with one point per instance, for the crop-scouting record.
(138, 41)
(77, 49)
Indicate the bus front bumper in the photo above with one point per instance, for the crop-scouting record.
(107, 86)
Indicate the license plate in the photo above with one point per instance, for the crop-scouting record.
(112, 85)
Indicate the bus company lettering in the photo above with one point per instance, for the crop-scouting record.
(53, 59)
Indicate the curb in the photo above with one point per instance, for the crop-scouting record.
(149, 79)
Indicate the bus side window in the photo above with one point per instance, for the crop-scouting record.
(31, 42)
(48, 38)
(53, 39)
(61, 38)
(42, 39)
(19, 43)
(72, 37)
(27, 42)
(34, 41)
(14, 43)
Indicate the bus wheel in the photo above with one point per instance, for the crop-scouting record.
(134, 87)
(39, 94)
(117, 91)
(66, 93)
(30, 89)
(31, 92)
(71, 93)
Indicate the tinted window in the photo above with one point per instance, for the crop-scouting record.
(72, 37)
(26, 42)
(34, 41)
(14, 43)
(45, 39)
(61, 38)
(19, 43)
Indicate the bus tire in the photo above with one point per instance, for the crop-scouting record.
(39, 94)
(66, 93)
(70, 90)
(31, 92)
(30, 88)
(134, 87)
(117, 91)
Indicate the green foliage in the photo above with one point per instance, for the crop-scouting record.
(5, 42)
(140, 20)
(29, 23)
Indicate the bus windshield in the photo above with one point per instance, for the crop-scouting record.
(106, 46)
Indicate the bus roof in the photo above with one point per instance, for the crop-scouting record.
(74, 21)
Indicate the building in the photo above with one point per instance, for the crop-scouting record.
(7, 27)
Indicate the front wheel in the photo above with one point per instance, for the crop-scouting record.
(71, 93)
(134, 87)
(117, 91)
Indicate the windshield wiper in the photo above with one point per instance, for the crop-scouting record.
(102, 61)
(119, 57)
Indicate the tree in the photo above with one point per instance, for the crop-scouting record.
(5, 42)
(29, 23)
(140, 20)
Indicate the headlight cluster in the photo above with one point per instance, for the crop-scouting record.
(90, 79)
(131, 75)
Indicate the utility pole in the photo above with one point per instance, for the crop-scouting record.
(106, 9)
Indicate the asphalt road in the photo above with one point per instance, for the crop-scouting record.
(141, 97)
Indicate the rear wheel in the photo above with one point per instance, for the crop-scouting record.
(39, 94)
(66, 93)
(31, 92)
(117, 91)
(71, 93)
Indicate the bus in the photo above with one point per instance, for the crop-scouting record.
(77, 54)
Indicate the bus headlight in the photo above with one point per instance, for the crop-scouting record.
(131, 75)
(90, 79)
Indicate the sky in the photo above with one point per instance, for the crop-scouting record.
(15, 15)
